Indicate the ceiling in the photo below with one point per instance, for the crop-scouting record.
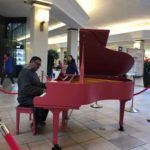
(108, 12)
(117, 15)
(102, 13)
(14, 8)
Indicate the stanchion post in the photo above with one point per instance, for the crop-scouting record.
(132, 109)
(8, 137)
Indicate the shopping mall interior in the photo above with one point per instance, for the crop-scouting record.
(37, 27)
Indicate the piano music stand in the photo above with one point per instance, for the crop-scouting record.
(96, 105)
(132, 109)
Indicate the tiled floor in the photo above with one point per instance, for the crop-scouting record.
(88, 128)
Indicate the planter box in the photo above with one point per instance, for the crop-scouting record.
(146, 79)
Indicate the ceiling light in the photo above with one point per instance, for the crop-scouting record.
(58, 39)
(128, 27)
(55, 26)
(87, 5)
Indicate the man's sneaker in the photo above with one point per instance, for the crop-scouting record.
(1, 86)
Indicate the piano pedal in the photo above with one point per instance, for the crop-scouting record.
(67, 118)
(68, 115)
(56, 147)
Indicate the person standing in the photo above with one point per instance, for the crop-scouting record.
(59, 66)
(71, 66)
(7, 69)
(29, 86)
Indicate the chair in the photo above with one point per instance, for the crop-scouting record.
(26, 110)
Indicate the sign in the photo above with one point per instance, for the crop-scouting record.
(138, 55)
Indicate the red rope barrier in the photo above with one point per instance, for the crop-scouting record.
(8, 137)
(141, 91)
(11, 142)
(7, 92)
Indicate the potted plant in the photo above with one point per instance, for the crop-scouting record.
(146, 74)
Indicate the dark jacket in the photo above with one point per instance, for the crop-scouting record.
(72, 68)
(29, 86)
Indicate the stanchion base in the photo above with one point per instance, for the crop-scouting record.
(96, 106)
(148, 119)
(132, 110)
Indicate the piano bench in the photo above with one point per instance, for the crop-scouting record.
(25, 110)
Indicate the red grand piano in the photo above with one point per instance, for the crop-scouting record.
(102, 77)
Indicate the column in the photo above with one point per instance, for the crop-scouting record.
(61, 55)
(39, 32)
(72, 42)
(139, 44)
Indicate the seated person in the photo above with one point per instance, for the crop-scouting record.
(72, 67)
(70, 72)
(29, 86)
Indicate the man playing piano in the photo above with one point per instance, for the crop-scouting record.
(30, 86)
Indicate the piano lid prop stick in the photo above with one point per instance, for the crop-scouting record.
(8, 137)
(82, 66)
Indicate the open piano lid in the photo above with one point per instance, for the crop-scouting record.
(96, 59)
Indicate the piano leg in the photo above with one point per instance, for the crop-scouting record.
(56, 147)
(56, 113)
(122, 108)
(64, 119)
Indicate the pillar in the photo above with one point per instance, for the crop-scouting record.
(39, 32)
(139, 44)
(61, 54)
(72, 42)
